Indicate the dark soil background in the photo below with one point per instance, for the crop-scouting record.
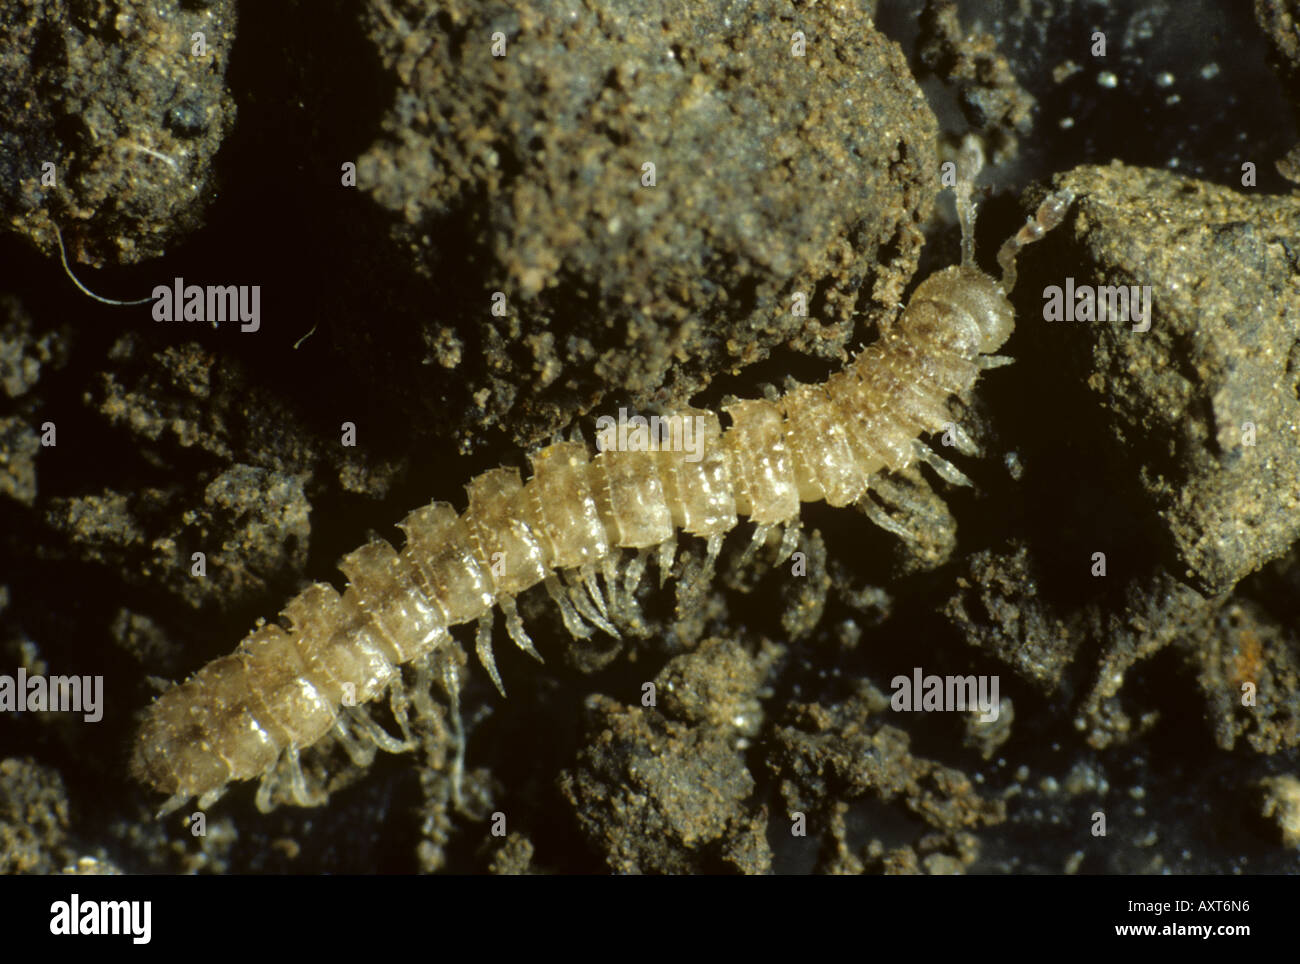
(478, 175)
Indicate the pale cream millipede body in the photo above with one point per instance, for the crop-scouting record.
(577, 521)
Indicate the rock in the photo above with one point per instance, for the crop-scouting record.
(657, 796)
(109, 122)
(716, 685)
(33, 818)
(22, 351)
(534, 161)
(1280, 21)
(1203, 405)
(992, 100)
(843, 751)
(997, 607)
(1282, 804)
(1248, 669)
(19, 444)
(252, 526)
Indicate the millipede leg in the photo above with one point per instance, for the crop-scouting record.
(263, 798)
(212, 796)
(515, 627)
(789, 541)
(993, 361)
(578, 593)
(613, 587)
(882, 518)
(667, 552)
(588, 576)
(451, 685)
(961, 439)
(366, 726)
(297, 782)
(695, 578)
(692, 584)
(632, 575)
(714, 548)
(171, 804)
(399, 702)
(759, 538)
(483, 646)
(576, 627)
(947, 471)
(361, 754)
(421, 695)
(919, 403)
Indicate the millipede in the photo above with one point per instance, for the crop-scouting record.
(578, 521)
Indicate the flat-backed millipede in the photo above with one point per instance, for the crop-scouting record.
(284, 688)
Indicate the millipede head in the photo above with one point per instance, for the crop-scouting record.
(961, 309)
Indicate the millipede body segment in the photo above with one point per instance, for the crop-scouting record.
(579, 520)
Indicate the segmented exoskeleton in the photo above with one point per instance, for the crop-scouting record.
(284, 688)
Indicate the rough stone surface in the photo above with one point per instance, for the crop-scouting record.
(1282, 804)
(33, 818)
(250, 525)
(657, 796)
(1280, 21)
(248, 504)
(1205, 403)
(828, 757)
(717, 685)
(114, 97)
(1248, 668)
(536, 158)
(992, 100)
(19, 444)
(22, 351)
(998, 608)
